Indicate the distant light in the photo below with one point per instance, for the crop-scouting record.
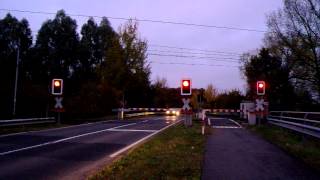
(167, 112)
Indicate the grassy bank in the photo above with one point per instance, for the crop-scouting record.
(176, 153)
(303, 147)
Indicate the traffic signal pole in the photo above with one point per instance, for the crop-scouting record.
(186, 92)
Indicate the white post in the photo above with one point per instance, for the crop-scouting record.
(16, 83)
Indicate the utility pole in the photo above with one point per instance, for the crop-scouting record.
(16, 81)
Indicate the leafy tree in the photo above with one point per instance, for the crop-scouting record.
(57, 48)
(229, 100)
(56, 55)
(210, 95)
(160, 93)
(15, 36)
(125, 67)
(279, 91)
(294, 36)
(90, 51)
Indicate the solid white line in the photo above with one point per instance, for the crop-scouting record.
(141, 140)
(52, 129)
(235, 122)
(61, 140)
(226, 127)
(132, 130)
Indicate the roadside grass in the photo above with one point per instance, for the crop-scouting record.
(303, 147)
(176, 153)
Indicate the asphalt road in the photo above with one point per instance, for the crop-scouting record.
(234, 153)
(72, 152)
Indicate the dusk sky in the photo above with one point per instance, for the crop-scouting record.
(248, 14)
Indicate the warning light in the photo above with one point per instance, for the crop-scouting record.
(56, 83)
(185, 83)
(186, 87)
(261, 85)
(261, 88)
(57, 86)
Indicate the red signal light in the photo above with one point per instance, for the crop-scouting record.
(57, 83)
(261, 85)
(185, 83)
(57, 86)
(186, 87)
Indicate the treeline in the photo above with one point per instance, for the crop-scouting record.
(101, 68)
(290, 59)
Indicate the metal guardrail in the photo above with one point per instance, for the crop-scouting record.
(303, 122)
(15, 122)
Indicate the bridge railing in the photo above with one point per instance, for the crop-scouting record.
(15, 122)
(303, 122)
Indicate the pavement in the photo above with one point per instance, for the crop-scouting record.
(73, 152)
(232, 152)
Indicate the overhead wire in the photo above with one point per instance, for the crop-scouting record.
(193, 53)
(141, 20)
(191, 64)
(160, 52)
(196, 57)
(193, 49)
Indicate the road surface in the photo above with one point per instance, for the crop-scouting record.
(72, 152)
(234, 153)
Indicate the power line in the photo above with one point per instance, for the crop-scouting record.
(142, 20)
(191, 64)
(193, 49)
(189, 52)
(196, 57)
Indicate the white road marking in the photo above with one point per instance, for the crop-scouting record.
(67, 127)
(52, 129)
(145, 121)
(226, 127)
(235, 122)
(141, 140)
(132, 130)
(61, 140)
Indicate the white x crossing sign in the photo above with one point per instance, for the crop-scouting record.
(259, 104)
(58, 104)
(186, 102)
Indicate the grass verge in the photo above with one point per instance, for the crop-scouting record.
(175, 153)
(303, 147)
